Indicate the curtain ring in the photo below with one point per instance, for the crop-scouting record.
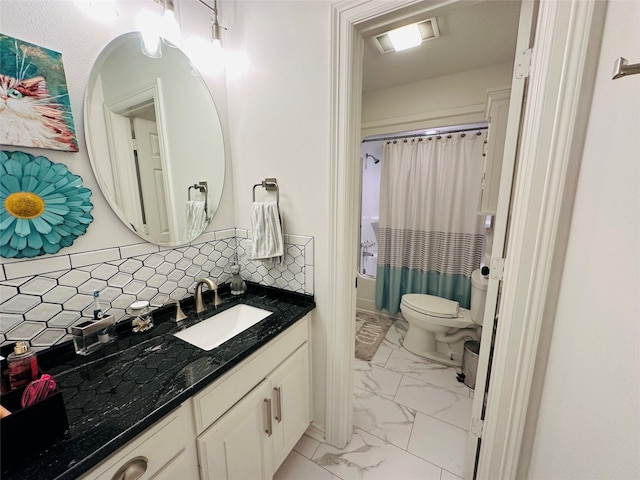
(439, 137)
(462, 135)
(479, 133)
(448, 136)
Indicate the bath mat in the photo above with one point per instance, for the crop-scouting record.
(370, 331)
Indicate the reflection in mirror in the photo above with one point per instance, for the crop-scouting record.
(153, 133)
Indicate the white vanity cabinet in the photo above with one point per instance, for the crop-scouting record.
(165, 451)
(248, 435)
(497, 113)
(242, 426)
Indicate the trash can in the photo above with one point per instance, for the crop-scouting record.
(470, 363)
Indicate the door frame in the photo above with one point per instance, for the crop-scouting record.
(568, 36)
(116, 119)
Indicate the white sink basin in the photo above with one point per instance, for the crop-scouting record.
(217, 329)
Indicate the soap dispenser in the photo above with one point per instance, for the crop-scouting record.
(238, 285)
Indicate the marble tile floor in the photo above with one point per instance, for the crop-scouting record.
(411, 417)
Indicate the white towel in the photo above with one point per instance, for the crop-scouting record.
(266, 232)
(195, 221)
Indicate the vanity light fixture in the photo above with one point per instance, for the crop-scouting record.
(216, 38)
(208, 54)
(155, 30)
(171, 35)
(148, 24)
(407, 36)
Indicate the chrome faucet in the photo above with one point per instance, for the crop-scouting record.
(198, 293)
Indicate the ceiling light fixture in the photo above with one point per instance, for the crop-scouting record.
(407, 36)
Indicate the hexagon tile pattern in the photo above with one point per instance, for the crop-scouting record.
(42, 308)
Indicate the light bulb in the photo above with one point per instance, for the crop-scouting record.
(405, 37)
(171, 29)
(148, 24)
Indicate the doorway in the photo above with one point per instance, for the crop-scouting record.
(560, 95)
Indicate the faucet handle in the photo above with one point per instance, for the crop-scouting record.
(179, 313)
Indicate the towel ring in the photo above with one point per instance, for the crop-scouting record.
(270, 185)
(202, 187)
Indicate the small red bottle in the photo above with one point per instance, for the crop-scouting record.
(23, 365)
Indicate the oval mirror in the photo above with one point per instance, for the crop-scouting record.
(155, 141)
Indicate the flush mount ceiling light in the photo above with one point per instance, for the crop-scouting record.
(407, 36)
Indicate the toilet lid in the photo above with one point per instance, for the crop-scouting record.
(431, 305)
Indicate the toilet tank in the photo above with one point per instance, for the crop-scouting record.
(478, 296)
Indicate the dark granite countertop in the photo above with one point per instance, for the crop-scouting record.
(116, 393)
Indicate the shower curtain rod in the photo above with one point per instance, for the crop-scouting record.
(417, 135)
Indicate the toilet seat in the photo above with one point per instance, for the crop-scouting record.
(435, 310)
(431, 305)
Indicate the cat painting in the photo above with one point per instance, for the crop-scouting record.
(34, 105)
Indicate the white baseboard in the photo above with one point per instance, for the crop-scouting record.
(316, 432)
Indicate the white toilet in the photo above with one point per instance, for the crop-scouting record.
(438, 327)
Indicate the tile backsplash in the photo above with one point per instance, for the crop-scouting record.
(41, 299)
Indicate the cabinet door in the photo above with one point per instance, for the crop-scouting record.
(291, 411)
(237, 446)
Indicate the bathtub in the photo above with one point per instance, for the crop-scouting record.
(366, 293)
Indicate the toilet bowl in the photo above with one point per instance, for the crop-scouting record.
(438, 327)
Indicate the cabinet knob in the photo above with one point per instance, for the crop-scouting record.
(132, 470)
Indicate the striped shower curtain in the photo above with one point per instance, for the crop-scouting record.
(430, 233)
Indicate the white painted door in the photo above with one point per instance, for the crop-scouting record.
(152, 181)
(237, 447)
(518, 86)
(291, 411)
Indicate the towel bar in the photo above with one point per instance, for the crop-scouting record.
(202, 187)
(270, 185)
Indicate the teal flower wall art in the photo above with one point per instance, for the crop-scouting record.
(43, 206)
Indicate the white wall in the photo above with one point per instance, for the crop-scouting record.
(279, 115)
(461, 92)
(60, 25)
(589, 417)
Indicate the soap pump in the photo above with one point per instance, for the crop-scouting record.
(238, 285)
